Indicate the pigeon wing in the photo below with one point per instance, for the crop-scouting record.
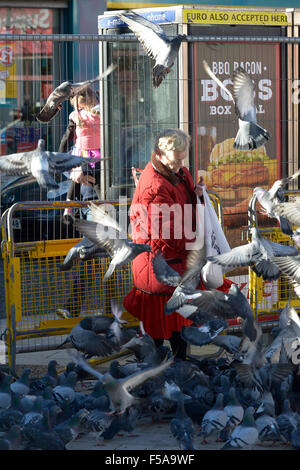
(290, 210)
(212, 75)
(47, 113)
(152, 37)
(245, 373)
(243, 93)
(15, 164)
(163, 272)
(289, 265)
(100, 216)
(239, 256)
(281, 250)
(97, 234)
(135, 380)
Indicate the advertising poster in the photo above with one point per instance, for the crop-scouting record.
(8, 86)
(231, 173)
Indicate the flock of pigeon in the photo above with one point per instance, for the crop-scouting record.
(246, 397)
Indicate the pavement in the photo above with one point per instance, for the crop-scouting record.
(148, 435)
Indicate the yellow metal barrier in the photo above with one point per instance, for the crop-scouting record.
(35, 287)
(267, 298)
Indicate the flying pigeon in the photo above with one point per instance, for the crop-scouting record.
(288, 336)
(83, 250)
(65, 91)
(118, 390)
(156, 43)
(83, 338)
(258, 253)
(250, 135)
(269, 199)
(205, 333)
(40, 163)
(105, 232)
(290, 267)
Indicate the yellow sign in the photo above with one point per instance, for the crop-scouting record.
(265, 18)
(8, 68)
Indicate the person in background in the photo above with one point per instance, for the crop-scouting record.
(164, 182)
(84, 131)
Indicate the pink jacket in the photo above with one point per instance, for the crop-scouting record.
(87, 129)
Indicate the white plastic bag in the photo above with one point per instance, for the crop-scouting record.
(215, 244)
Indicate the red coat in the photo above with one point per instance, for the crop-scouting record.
(147, 299)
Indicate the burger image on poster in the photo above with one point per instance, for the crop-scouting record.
(234, 173)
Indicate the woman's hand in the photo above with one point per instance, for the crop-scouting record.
(199, 187)
(78, 176)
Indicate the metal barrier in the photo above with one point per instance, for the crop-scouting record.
(268, 298)
(35, 287)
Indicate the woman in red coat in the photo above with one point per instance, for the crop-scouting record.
(165, 192)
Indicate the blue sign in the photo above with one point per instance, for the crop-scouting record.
(167, 16)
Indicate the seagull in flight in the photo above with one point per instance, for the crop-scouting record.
(155, 42)
(65, 91)
(41, 164)
(250, 135)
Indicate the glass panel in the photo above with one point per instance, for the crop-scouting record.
(26, 71)
(138, 110)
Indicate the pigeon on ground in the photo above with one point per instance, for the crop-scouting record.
(84, 339)
(245, 435)
(259, 252)
(37, 386)
(182, 427)
(269, 199)
(156, 43)
(118, 389)
(267, 426)
(105, 232)
(35, 415)
(97, 421)
(70, 429)
(40, 163)
(82, 251)
(13, 439)
(204, 334)
(65, 394)
(214, 421)
(289, 422)
(21, 386)
(234, 411)
(12, 415)
(65, 91)
(42, 435)
(250, 135)
(5, 392)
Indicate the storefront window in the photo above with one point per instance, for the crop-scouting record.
(138, 110)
